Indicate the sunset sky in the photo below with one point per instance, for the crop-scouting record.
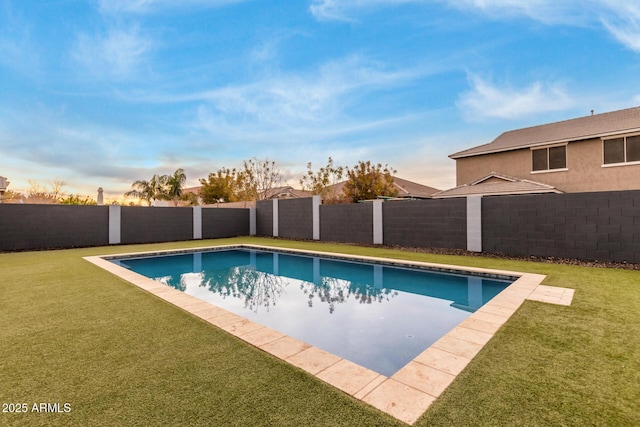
(100, 93)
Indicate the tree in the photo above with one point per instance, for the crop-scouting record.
(39, 194)
(221, 186)
(76, 199)
(257, 178)
(174, 185)
(142, 190)
(191, 199)
(324, 181)
(159, 187)
(366, 181)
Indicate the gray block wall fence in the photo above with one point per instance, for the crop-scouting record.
(601, 226)
(264, 218)
(34, 227)
(437, 223)
(228, 222)
(295, 218)
(349, 223)
(158, 224)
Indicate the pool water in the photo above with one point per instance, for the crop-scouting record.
(378, 316)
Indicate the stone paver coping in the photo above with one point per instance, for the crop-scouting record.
(408, 393)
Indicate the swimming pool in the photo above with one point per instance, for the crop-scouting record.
(375, 314)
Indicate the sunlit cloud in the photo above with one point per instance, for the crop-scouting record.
(118, 53)
(487, 100)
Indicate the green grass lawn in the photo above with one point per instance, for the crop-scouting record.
(72, 333)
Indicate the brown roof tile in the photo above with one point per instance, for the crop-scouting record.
(406, 189)
(588, 127)
(504, 185)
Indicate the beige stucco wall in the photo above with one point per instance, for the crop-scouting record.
(584, 164)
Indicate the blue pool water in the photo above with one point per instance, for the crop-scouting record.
(375, 315)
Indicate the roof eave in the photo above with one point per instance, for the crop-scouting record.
(501, 193)
(461, 154)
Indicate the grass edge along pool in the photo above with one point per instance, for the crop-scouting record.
(406, 395)
(413, 305)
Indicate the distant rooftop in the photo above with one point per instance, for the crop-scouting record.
(594, 126)
(496, 184)
(406, 189)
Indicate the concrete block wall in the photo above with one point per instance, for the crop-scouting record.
(230, 222)
(352, 223)
(33, 227)
(592, 226)
(295, 218)
(158, 224)
(601, 226)
(437, 223)
(264, 218)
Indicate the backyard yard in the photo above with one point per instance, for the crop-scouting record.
(79, 346)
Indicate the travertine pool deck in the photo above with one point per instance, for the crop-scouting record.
(408, 393)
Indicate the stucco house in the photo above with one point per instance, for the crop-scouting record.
(600, 152)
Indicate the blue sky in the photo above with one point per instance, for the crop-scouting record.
(100, 93)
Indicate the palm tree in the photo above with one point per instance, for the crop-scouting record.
(174, 185)
(159, 187)
(142, 190)
(154, 189)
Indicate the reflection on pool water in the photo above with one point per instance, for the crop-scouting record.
(375, 315)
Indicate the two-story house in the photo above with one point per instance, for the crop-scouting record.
(600, 152)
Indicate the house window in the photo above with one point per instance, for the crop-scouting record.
(621, 150)
(549, 158)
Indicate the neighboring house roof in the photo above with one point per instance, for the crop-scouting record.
(286, 192)
(406, 189)
(496, 184)
(594, 126)
(409, 189)
(194, 190)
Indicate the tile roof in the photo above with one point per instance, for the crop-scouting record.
(285, 192)
(412, 189)
(588, 127)
(406, 189)
(502, 186)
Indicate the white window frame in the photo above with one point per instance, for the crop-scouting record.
(625, 163)
(547, 147)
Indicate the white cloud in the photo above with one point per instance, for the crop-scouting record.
(148, 6)
(621, 18)
(118, 53)
(339, 10)
(623, 22)
(546, 11)
(487, 100)
(315, 96)
(328, 10)
(303, 114)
